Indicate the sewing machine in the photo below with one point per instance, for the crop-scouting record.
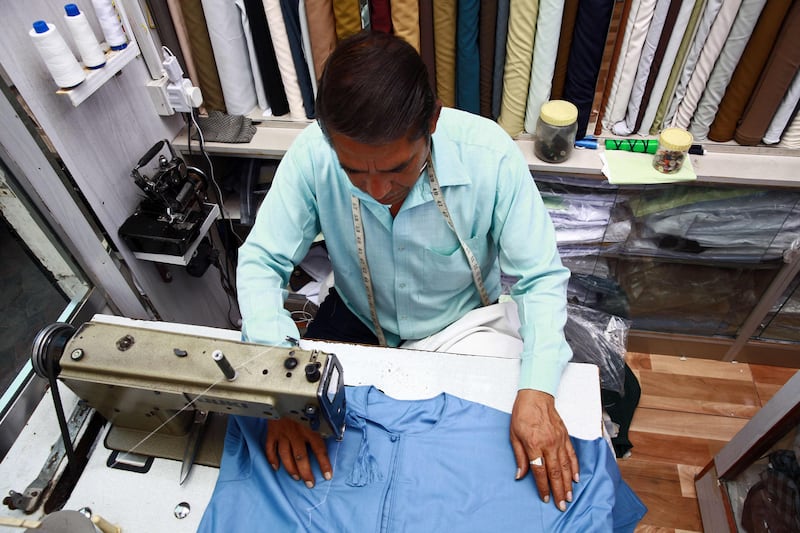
(155, 500)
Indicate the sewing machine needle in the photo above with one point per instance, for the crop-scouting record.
(193, 443)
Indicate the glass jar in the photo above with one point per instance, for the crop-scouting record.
(673, 145)
(555, 131)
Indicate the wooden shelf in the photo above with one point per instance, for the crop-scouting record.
(115, 61)
(765, 166)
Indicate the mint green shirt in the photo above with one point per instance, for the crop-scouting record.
(420, 275)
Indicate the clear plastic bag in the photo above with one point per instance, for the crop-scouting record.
(601, 339)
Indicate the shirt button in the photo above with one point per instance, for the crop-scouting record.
(394, 438)
(402, 285)
(401, 248)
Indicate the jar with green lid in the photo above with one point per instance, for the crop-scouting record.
(673, 145)
(555, 131)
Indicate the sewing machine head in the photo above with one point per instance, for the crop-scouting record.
(151, 383)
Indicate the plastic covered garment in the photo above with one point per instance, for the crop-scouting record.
(441, 464)
(601, 339)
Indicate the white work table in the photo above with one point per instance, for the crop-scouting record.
(146, 502)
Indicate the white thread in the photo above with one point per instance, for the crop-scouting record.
(110, 24)
(188, 405)
(92, 54)
(63, 67)
(328, 489)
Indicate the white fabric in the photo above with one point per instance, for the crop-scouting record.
(785, 111)
(703, 27)
(625, 127)
(307, 52)
(723, 69)
(791, 137)
(490, 331)
(283, 52)
(548, 29)
(614, 111)
(229, 44)
(666, 66)
(705, 63)
(627, 72)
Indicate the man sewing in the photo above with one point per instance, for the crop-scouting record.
(421, 208)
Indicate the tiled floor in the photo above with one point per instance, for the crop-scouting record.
(689, 409)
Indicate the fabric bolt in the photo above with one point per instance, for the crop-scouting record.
(290, 9)
(620, 48)
(165, 26)
(438, 464)
(791, 136)
(658, 57)
(585, 56)
(444, 37)
(307, 50)
(380, 16)
(501, 37)
(486, 42)
(229, 44)
(703, 27)
(183, 40)
(283, 53)
(654, 31)
(517, 74)
(677, 66)
(614, 111)
(748, 70)
(467, 57)
(429, 288)
(545, 46)
(739, 35)
(564, 43)
(347, 14)
(267, 62)
(717, 36)
(660, 76)
(405, 19)
(426, 43)
(775, 81)
(258, 83)
(626, 73)
(786, 110)
(606, 61)
(200, 43)
(322, 31)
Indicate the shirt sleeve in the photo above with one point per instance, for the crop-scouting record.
(283, 231)
(528, 251)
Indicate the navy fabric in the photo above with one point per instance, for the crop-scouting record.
(442, 464)
(468, 57)
(291, 19)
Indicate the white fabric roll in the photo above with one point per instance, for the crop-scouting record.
(229, 43)
(615, 108)
(548, 29)
(283, 52)
(791, 136)
(785, 111)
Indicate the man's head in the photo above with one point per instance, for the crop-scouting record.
(375, 90)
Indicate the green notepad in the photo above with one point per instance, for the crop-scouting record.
(629, 168)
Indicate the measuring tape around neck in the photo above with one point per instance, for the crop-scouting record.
(358, 226)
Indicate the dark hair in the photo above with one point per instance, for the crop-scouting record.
(375, 89)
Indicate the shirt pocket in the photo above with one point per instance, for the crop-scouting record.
(449, 271)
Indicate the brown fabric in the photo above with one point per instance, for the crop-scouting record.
(205, 64)
(564, 43)
(347, 14)
(405, 19)
(620, 36)
(380, 16)
(486, 42)
(748, 70)
(322, 31)
(658, 58)
(183, 39)
(444, 29)
(781, 67)
(426, 43)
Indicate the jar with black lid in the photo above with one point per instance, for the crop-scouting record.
(555, 131)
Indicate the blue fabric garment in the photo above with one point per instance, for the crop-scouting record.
(421, 278)
(442, 464)
(467, 57)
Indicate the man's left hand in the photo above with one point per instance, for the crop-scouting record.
(541, 443)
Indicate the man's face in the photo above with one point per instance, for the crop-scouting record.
(386, 172)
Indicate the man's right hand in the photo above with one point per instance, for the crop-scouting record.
(289, 442)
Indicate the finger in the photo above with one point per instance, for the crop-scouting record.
(554, 469)
(521, 458)
(542, 484)
(573, 461)
(271, 450)
(321, 452)
(287, 458)
(303, 464)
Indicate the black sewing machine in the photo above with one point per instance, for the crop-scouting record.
(172, 214)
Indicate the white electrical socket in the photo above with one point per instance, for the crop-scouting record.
(157, 89)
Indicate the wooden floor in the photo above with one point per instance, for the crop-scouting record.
(688, 411)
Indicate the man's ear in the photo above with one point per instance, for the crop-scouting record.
(435, 117)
